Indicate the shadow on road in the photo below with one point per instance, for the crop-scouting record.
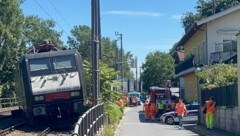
(141, 115)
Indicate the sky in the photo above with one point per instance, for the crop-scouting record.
(146, 25)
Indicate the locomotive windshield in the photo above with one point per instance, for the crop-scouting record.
(40, 66)
(64, 63)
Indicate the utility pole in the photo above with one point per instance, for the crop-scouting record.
(136, 73)
(99, 32)
(122, 63)
(116, 56)
(95, 51)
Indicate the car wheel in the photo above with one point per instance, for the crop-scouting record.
(169, 120)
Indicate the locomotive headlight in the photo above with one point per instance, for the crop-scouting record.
(41, 98)
(74, 94)
(77, 93)
(38, 98)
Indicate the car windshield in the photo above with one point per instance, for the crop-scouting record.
(192, 107)
(40, 66)
(64, 63)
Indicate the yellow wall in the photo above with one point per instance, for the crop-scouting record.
(190, 80)
(195, 41)
(190, 87)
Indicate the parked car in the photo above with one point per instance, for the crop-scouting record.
(191, 116)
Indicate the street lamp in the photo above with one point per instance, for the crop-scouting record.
(197, 70)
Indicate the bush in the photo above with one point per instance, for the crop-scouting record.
(108, 130)
(114, 114)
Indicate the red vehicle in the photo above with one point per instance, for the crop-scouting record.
(162, 94)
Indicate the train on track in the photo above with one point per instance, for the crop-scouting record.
(50, 84)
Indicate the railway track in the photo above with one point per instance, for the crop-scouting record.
(45, 132)
(11, 129)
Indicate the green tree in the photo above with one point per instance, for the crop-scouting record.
(36, 30)
(11, 20)
(158, 68)
(107, 83)
(81, 40)
(206, 8)
(188, 20)
(218, 75)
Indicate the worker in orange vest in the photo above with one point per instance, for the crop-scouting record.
(135, 100)
(127, 100)
(210, 108)
(146, 109)
(120, 104)
(152, 110)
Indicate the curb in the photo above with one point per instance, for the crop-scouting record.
(117, 129)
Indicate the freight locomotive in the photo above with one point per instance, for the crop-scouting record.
(50, 84)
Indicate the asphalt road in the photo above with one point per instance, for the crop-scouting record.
(134, 124)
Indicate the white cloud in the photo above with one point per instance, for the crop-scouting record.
(133, 13)
(176, 16)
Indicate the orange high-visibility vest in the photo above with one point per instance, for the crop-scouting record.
(210, 106)
(146, 107)
(152, 107)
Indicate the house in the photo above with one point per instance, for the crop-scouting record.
(208, 41)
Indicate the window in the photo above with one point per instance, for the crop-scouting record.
(40, 66)
(64, 63)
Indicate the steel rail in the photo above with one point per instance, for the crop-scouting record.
(11, 129)
(45, 132)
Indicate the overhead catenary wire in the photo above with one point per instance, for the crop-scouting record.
(51, 17)
(60, 14)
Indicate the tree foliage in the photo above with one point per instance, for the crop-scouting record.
(36, 30)
(108, 94)
(218, 75)
(11, 20)
(158, 68)
(206, 8)
(81, 40)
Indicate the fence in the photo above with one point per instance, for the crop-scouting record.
(8, 102)
(90, 122)
(224, 96)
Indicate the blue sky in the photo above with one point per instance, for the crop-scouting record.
(146, 25)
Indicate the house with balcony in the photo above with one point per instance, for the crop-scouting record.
(208, 41)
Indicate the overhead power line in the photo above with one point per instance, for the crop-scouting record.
(60, 14)
(51, 17)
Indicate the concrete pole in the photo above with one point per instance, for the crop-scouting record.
(95, 52)
(238, 68)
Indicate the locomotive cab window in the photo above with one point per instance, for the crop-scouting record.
(39, 66)
(63, 63)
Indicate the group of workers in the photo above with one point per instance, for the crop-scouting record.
(151, 109)
(131, 101)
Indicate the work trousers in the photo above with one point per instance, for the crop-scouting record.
(180, 118)
(152, 112)
(146, 114)
(209, 120)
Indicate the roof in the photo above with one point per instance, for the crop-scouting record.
(194, 28)
(134, 92)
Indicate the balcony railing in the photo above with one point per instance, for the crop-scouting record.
(224, 52)
(186, 64)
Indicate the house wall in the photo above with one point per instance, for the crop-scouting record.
(194, 42)
(190, 87)
(227, 22)
(192, 46)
